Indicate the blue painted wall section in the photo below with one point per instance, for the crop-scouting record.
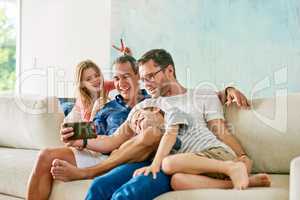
(217, 41)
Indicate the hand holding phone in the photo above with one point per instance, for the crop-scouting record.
(82, 130)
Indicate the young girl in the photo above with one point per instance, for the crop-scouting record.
(92, 92)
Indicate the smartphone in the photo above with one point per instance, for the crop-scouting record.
(82, 130)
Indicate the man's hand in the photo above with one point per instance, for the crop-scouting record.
(154, 169)
(234, 95)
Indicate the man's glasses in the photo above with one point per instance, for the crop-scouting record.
(151, 76)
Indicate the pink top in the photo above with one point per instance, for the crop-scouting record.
(86, 113)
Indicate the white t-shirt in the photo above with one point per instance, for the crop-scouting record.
(195, 109)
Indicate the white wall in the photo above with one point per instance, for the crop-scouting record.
(57, 34)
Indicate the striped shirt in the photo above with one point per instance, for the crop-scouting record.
(192, 111)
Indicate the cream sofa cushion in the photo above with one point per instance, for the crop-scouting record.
(278, 191)
(71, 190)
(30, 122)
(16, 165)
(269, 132)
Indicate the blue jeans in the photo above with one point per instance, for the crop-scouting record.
(119, 184)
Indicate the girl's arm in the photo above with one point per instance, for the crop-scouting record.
(98, 104)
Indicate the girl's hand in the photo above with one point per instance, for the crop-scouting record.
(96, 107)
(123, 49)
(154, 169)
(65, 133)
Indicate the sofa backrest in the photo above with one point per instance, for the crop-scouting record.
(30, 122)
(269, 132)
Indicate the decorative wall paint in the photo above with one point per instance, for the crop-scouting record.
(220, 42)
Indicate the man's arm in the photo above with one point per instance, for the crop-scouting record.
(135, 149)
(103, 143)
(106, 144)
(218, 127)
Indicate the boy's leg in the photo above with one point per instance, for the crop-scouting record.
(104, 186)
(191, 163)
(40, 181)
(180, 181)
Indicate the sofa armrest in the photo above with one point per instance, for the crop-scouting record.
(295, 179)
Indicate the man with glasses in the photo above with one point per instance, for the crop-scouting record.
(157, 71)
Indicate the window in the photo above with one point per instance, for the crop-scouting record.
(8, 34)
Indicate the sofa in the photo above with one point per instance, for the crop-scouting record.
(269, 132)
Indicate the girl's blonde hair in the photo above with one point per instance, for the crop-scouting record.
(82, 92)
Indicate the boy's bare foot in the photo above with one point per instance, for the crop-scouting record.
(238, 175)
(260, 180)
(64, 171)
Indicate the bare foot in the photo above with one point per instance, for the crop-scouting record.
(64, 171)
(238, 175)
(260, 180)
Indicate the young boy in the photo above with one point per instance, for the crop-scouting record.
(201, 152)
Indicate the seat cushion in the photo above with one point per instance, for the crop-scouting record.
(70, 190)
(278, 191)
(16, 165)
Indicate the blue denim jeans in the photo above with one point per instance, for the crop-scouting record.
(119, 184)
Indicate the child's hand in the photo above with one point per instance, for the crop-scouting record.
(154, 169)
(123, 49)
(248, 162)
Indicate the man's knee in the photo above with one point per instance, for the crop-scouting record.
(151, 136)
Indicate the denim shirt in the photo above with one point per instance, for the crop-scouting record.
(113, 114)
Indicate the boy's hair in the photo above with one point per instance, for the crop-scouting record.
(126, 58)
(160, 56)
(153, 108)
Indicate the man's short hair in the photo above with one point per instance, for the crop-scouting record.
(160, 56)
(126, 58)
